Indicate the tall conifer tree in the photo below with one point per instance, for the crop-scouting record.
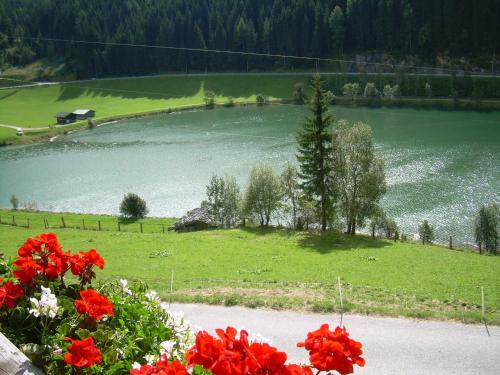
(314, 152)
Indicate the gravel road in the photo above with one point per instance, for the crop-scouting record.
(391, 346)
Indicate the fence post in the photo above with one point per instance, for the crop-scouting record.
(141, 226)
(28, 222)
(13, 220)
(99, 225)
(483, 310)
(341, 303)
(451, 243)
(163, 228)
(119, 229)
(83, 223)
(63, 222)
(171, 288)
(45, 222)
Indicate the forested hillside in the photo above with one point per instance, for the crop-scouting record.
(321, 28)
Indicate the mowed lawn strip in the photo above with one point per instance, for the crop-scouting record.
(283, 269)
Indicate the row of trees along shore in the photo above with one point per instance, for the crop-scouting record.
(321, 28)
(340, 178)
(338, 184)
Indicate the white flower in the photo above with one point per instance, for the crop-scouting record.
(150, 358)
(121, 353)
(124, 285)
(259, 339)
(166, 347)
(47, 305)
(136, 366)
(152, 296)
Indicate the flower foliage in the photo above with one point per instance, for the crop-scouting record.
(333, 350)
(82, 353)
(68, 327)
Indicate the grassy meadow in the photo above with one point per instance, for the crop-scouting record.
(280, 269)
(37, 106)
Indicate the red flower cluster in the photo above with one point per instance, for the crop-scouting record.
(94, 304)
(333, 350)
(9, 293)
(43, 255)
(82, 353)
(230, 355)
(162, 367)
(82, 264)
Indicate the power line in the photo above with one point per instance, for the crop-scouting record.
(241, 53)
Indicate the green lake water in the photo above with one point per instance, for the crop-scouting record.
(440, 165)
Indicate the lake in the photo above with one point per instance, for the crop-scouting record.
(440, 165)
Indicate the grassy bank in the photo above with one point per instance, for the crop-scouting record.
(283, 269)
(34, 108)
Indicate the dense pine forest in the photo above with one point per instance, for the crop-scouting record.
(424, 29)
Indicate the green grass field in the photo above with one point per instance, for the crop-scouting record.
(37, 106)
(281, 269)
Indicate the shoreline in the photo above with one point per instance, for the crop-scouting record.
(446, 104)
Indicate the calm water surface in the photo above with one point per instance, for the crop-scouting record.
(441, 165)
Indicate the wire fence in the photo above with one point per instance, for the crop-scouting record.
(91, 224)
(39, 221)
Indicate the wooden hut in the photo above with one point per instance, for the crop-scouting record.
(65, 118)
(83, 114)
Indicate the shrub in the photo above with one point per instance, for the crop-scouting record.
(30, 206)
(209, 99)
(133, 206)
(486, 226)
(14, 202)
(299, 94)
(351, 90)
(371, 91)
(391, 92)
(229, 103)
(426, 232)
(263, 194)
(223, 200)
(261, 99)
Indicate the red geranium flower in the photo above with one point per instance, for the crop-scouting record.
(162, 367)
(27, 269)
(9, 292)
(94, 304)
(82, 264)
(265, 359)
(45, 242)
(333, 350)
(82, 353)
(232, 355)
(296, 370)
(41, 255)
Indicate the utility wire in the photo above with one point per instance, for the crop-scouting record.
(241, 53)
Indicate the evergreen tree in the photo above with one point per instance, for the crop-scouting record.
(337, 28)
(314, 153)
